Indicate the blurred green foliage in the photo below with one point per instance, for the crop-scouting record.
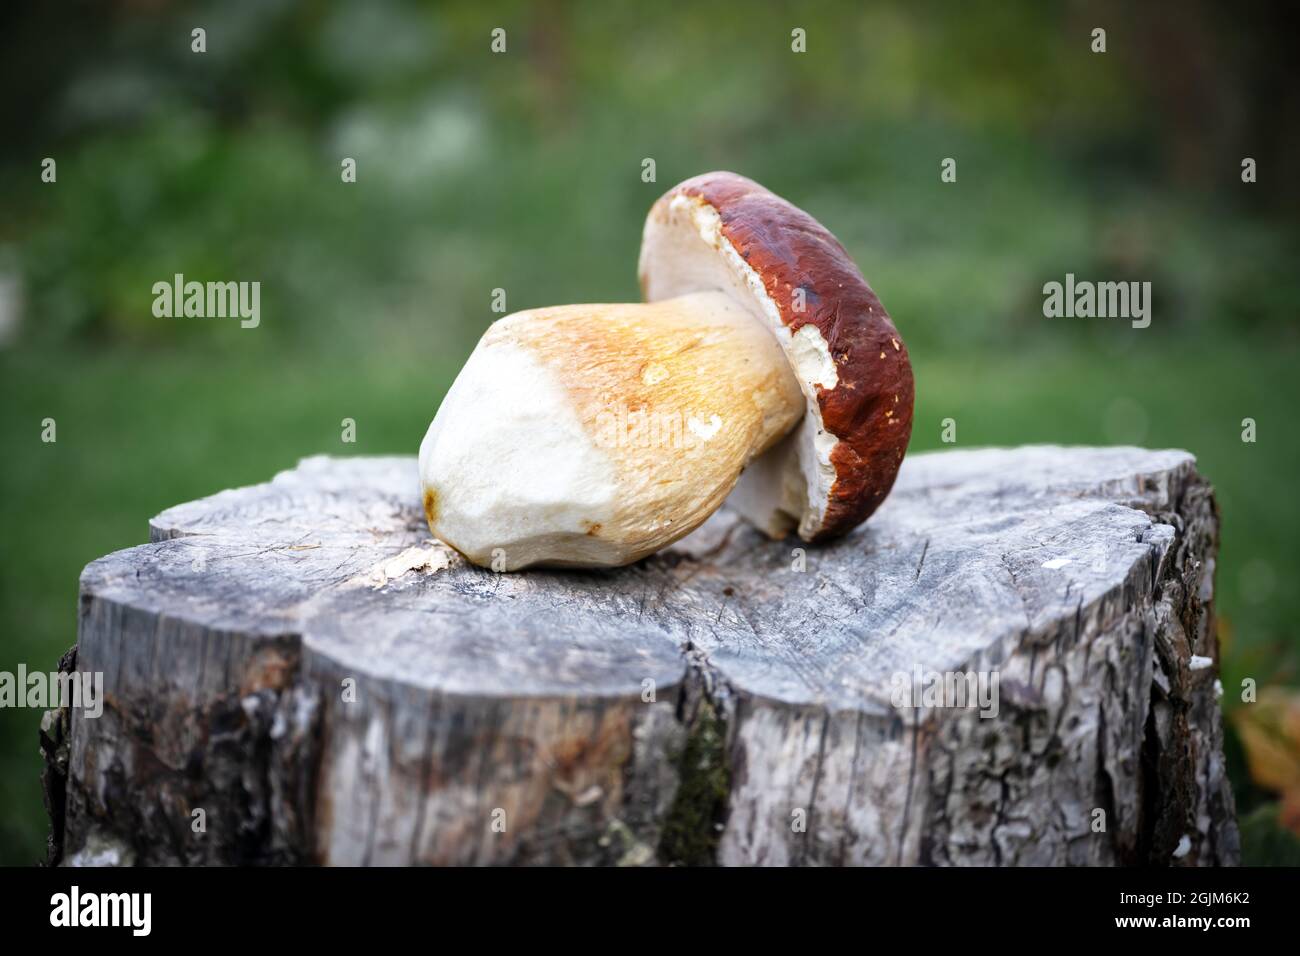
(522, 171)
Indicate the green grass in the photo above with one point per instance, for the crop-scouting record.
(139, 431)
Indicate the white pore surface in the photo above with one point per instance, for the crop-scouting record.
(510, 463)
(685, 252)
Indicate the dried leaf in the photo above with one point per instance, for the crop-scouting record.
(1270, 734)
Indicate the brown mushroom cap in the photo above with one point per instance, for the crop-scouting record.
(723, 231)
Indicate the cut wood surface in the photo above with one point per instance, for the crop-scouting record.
(296, 672)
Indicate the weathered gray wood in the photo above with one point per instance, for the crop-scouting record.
(697, 707)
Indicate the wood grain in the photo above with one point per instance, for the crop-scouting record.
(713, 703)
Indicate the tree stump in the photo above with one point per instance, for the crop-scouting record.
(295, 672)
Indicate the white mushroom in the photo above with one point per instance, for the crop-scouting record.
(598, 434)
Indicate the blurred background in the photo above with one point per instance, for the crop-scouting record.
(522, 171)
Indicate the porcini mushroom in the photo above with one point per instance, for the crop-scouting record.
(761, 370)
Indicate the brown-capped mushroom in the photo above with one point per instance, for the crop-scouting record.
(593, 435)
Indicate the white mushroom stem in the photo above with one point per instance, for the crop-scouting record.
(591, 435)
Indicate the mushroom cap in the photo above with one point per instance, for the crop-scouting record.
(721, 231)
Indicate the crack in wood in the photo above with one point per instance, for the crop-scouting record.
(478, 691)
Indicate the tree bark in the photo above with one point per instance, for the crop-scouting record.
(296, 672)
